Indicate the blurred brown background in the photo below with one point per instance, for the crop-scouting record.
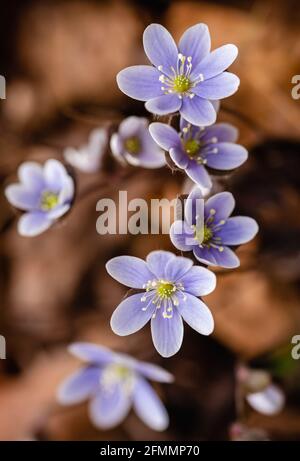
(60, 59)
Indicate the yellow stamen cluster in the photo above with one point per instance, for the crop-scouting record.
(49, 200)
(133, 145)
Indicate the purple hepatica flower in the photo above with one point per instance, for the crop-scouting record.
(89, 157)
(114, 383)
(194, 147)
(170, 287)
(210, 238)
(45, 193)
(183, 79)
(134, 144)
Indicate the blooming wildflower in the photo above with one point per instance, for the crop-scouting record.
(45, 194)
(195, 148)
(170, 287)
(113, 383)
(183, 79)
(134, 144)
(210, 238)
(88, 158)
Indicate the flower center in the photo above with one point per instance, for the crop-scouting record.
(180, 82)
(165, 289)
(192, 147)
(114, 374)
(165, 294)
(208, 234)
(133, 145)
(49, 200)
(203, 235)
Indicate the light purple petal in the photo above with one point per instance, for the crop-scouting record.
(164, 135)
(149, 407)
(167, 334)
(129, 316)
(110, 407)
(22, 197)
(198, 111)
(214, 257)
(179, 157)
(55, 175)
(182, 236)
(97, 141)
(131, 126)
(199, 281)
(228, 156)
(163, 105)
(160, 47)
(67, 191)
(33, 224)
(196, 314)
(194, 206)
(217, 61)
(80, 159)
(89, 352)
(79, 386)
(204, 255)
(176, 269)
(158, 260)
(145, 160)
(223, 205)
(225, 258)
(88, 158)
(129, 270)
(195, 42)
(199, 175)
(218, 87)
(58, 211)
(151, 155)
(148, 159)
(238, 230)
(31, 175)
(140, 82)
(117, 147)
(270, 401)
(222, 132)
(154, 372)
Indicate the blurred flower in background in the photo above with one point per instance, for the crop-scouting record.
(113, 383)
(261, 394)
(45, 193)
(89, 157)
(134, 145)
